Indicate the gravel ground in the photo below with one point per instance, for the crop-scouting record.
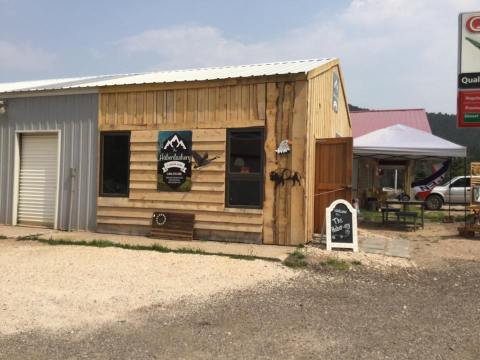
(55, 287)
(372, 261)
(361, 314)
(431, 246)
(75, 302)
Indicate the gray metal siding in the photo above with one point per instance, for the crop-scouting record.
(76, 117)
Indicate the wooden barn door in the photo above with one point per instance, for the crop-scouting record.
(333, 175)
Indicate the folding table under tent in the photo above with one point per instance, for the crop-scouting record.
(400, 142)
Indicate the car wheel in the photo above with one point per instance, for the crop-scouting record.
(404, 197)
(434, 202)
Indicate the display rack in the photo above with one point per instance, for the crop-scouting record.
(473, 225)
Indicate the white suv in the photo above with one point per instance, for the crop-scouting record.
(455, 191)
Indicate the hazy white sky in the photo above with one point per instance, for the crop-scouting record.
(394, 53)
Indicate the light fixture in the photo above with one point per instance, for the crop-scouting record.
(3, 107)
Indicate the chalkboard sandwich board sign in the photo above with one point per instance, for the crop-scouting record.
(341, 226)
(175, 226)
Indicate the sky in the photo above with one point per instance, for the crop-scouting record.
(393, 53)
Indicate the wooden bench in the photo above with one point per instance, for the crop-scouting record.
(385, 211)
(407, 214)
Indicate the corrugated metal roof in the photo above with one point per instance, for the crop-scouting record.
(215, 73)
(21, 85)
(364, 122)
(226, 72)
(54, 84)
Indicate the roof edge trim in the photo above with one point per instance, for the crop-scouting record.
(41, 93)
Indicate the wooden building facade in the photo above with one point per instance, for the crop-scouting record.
(302, 107)
(84, 153)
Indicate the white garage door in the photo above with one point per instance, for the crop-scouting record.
(37, 188)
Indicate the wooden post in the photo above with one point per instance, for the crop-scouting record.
(299, 124)
(269, 223)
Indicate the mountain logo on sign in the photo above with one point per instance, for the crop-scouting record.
(174, 143)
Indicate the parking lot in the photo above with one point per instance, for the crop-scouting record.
(69, 302)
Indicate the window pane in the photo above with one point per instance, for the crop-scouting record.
(245, 193)
(115, 164)
(387, 178)
(246, 152)
(462, 182)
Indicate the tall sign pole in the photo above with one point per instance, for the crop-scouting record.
(468, 95)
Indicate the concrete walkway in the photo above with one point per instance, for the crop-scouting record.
(369, 242)
(375, 243)
(15, 232)
(268, 251)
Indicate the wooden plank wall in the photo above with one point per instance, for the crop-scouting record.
(208, 112)
(327, 123)
(203, 108)
(206, 199)
(284, 215)
(322, 123)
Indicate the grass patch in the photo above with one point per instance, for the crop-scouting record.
(337, 264)
(186, 250)
(160, 248)
(332, 263)
(96, 243)
(154, 247)
(29, 237)
(371, 216)
(429, 215)
(296, 259)
(244, 257)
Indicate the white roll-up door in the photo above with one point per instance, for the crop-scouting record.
(37, 188)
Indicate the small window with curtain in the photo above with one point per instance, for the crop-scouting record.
(245, 168)
(114, 164)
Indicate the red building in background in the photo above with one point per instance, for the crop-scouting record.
(364, 122)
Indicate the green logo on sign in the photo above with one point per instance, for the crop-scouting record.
(471, 118)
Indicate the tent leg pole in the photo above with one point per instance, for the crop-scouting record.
(357, 195)
(450, 192)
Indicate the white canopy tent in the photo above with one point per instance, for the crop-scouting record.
(405, 142)
(395, 144)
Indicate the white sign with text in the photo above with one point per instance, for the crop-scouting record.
(469, 43)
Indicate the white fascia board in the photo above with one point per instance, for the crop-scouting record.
(37, 93)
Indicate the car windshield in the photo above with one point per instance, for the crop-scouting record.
(462, 182)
